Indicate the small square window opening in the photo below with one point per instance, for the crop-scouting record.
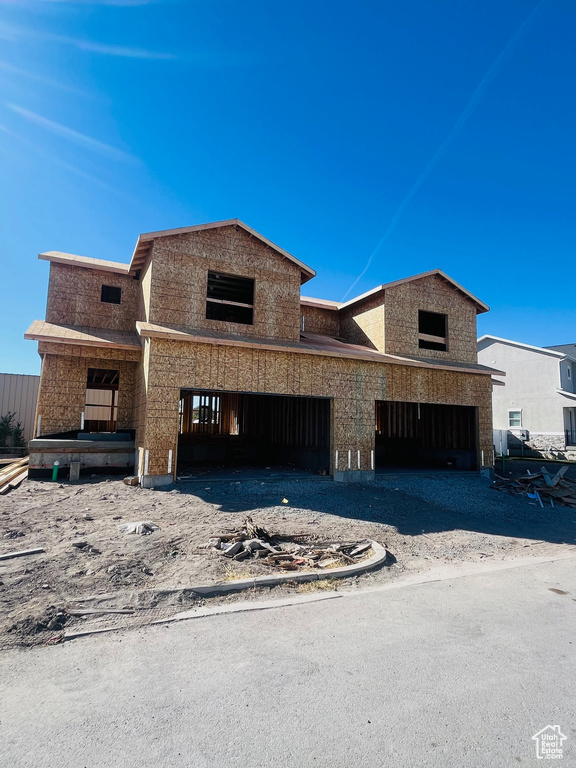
(111, 294)
(515, 419)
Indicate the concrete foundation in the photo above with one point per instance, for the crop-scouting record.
(354, 476)
(88, 455)
(156, 481)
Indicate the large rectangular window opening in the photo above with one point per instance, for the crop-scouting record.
(230, 298)
(432, 331)
(101, 408)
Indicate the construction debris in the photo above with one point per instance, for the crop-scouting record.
(144, 527)
(283, 552)
(556, 488)
(11, 475)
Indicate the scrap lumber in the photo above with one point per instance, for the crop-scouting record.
(283, 551)
(541, 485)
(96, 611)
(6, 478)
(560, 474)
(18, 479)
(21, 553)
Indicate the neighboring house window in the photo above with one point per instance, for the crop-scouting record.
(110, 294)
(432, 331)
(569, 370)
(514, 418)
(230, 298)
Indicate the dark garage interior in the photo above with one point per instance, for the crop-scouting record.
(236, 429)
(425, 435)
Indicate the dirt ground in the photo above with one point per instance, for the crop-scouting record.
(422, 520)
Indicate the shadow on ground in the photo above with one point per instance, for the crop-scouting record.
(410, 503)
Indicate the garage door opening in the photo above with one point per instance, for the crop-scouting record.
(235, 429)
(426, 436)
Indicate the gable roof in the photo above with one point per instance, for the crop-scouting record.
(480, 306)
(552, 351)
(145, 241)
(567, 349)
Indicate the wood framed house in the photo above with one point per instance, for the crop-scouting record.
(202, 351)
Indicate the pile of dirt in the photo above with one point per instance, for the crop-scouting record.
(32, 630)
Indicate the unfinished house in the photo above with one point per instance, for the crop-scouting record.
(202, 353)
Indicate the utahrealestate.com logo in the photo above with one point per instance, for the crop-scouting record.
(549, 743)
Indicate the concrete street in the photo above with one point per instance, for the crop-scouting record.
(457, 672)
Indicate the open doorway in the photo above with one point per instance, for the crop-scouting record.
(237, 429)
(101, 408)
(426, 435)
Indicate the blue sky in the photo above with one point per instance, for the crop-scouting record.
(441, 129)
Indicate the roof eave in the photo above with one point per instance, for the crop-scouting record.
(139, 255)
(481, 307)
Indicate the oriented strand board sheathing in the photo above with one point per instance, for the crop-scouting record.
(318, 320)
(179, 280)
(363, 323)
(433, 294)
(268, 357)
(63, 391)
(74, 298)
(354, 386)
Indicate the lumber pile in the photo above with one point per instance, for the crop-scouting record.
(556, 488)
(11, 475)
(285, 553)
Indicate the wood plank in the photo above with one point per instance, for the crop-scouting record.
(560, 474)
(21, 553)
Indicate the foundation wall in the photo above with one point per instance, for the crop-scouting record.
(62, 394)
(353, 386)
(180, 273)
(74, 298)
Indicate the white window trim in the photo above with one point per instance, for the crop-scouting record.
(516, 410)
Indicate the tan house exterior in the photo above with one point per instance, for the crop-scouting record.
(188, 370)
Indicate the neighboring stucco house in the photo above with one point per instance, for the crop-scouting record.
(537, 405)
(202, 351)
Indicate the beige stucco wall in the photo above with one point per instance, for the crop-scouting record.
(530, 385)
(180, 273)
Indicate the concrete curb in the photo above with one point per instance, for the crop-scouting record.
(216, 610)
(252, 605)
(212, 590)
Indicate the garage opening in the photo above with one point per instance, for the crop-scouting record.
(236, 429)
(426, 436)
